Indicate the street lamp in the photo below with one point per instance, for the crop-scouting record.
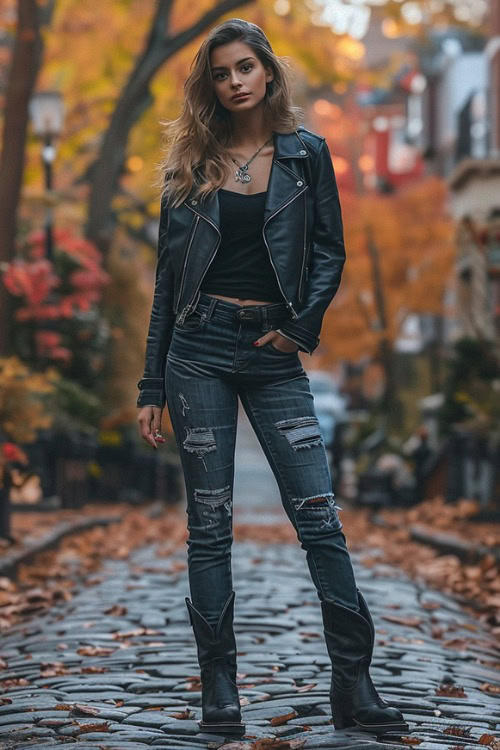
(47, 112)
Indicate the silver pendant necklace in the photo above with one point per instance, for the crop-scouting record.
(241, 174)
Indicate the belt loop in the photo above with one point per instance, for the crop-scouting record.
(264, 314)
(211, 307)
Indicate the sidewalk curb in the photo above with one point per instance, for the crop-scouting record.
(468, 552)
(10, 563)
(450, 544)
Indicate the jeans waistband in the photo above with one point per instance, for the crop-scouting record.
(243, 313)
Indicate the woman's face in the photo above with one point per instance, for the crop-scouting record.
(236, 69)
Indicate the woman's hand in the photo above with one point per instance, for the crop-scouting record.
(149, 419)
(279, 341)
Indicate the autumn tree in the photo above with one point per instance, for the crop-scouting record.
(411, 236)
(25, 64)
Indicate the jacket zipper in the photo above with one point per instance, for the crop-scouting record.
(195, 224)
(289, 304)
(302, 281)
(190, 304)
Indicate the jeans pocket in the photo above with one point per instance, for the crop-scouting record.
(192, 323)
(279, 351)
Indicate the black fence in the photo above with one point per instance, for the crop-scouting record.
(76, 468)
(473, 463)
(467, 465)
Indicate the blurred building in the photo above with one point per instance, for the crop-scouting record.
(474, 183)
(441, 115)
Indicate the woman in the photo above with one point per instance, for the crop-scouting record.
(250, 255)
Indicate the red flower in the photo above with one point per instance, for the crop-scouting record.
(34, 281)
(48, 339)
(48, 344)
(12, 452)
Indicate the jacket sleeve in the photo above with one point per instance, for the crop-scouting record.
(326, 259)
(152, 383)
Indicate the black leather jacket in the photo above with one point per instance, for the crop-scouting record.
(302, 231)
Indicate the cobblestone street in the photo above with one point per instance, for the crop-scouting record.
(128, 674)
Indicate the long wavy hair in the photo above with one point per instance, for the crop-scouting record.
(197, 141)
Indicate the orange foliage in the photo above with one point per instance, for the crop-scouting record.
(414, 237)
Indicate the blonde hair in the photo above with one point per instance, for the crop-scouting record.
(198, 140)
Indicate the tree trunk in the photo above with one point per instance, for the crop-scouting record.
(26, 61)
(134, 100)
(390, 400)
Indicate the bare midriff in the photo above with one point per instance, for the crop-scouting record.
(239, 301)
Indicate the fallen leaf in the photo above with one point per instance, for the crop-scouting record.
(94, 651)
(454, 691)
(104, 727)
(459, 644)
(410, 740)
(276, 721)
(457, 730)
(80, 709)
(276, 743)
(94, 670)
(186, 714)
(487, 687)
(135, 633)
(117, 609)
(412, 622)
(489, 739)
(14, 682)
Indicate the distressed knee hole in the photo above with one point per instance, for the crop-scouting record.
(301, 432)
(215, 498)
(324, 503)
(200, 440)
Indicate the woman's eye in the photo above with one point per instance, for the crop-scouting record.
(248, 65)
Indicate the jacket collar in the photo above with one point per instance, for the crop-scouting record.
(289, 145)
(283, 183)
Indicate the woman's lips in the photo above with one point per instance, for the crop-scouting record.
(240, 96)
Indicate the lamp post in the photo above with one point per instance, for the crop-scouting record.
(47, 114)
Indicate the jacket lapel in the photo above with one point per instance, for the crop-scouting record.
(282, 184)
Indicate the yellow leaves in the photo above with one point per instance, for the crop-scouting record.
(110, 437)
(22, 411)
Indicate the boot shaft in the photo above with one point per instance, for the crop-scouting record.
(349, 637)
(217, 659)
(214, 642)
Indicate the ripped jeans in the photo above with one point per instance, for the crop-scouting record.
(211, 361)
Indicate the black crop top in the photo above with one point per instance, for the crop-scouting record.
(241, 266)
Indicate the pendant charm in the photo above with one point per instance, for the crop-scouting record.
(241, 175)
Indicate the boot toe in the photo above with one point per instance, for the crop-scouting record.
(381, 719)
(223, 720)
(226, 714)
(393, 714)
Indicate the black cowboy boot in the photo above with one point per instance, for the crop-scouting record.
(350, 637)
(217, 659)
